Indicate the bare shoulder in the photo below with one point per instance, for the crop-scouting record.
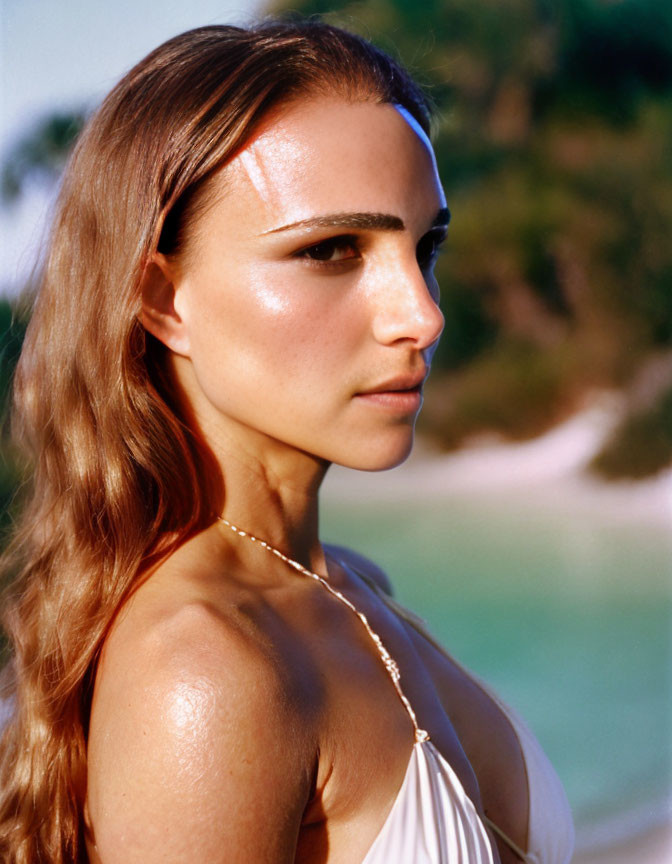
(194, 738)
(362, 564)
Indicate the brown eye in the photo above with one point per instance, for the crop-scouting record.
(334, 250)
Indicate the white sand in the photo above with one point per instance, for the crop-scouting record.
(653, 847)
(548, 471)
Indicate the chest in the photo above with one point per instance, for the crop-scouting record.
(367, 732)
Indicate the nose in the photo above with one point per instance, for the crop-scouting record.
(407, 307)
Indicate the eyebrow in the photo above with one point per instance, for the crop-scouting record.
(359, 221)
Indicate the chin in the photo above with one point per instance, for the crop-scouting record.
(380, 455)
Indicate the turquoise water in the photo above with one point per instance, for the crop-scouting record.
(568, 618)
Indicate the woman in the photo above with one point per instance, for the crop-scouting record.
(239, 292)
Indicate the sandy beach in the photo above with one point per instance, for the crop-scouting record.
(549, 471)
(653, 847)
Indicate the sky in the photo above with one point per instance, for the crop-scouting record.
(68, 53)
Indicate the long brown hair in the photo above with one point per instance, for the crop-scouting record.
(118, 473)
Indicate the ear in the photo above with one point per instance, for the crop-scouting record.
(159, 312)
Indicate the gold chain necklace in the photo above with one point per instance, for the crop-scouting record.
(388, 661)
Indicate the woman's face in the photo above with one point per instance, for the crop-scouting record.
(307, 304)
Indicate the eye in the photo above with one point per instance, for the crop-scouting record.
(334, 251)
(429, 247)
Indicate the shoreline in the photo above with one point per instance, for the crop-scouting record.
(653, 846)
(548, 472)
(642, 834)
(547, 475)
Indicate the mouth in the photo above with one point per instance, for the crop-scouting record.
(402, 394)
(400, 384)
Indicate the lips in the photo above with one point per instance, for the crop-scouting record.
(400, 395)
(398, 384)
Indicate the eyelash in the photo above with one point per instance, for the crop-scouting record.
(437, 239)
(311, 254)
(330, 246)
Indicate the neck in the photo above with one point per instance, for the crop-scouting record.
(266, 486)
(276, 499)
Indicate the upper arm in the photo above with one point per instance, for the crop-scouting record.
(364, 565)
(194, 753)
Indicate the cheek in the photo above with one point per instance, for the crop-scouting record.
(268, 328)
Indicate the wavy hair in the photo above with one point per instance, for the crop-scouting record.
(118, 473)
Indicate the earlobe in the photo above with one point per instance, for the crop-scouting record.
(159, 312)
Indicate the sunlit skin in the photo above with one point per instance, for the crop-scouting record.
(329, 312)
(277, 331)
(302, 317)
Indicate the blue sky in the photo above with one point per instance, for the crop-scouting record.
(65, 53)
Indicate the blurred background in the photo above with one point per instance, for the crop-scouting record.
(531, 527)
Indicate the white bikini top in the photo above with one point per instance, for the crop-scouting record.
(433, 820)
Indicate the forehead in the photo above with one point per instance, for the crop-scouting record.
(329, 156)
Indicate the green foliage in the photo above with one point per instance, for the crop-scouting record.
(612, 54)
(12, 331)
(11, 478)
(41, 152)
(641, 445)
(555, 122)
(468, 329)
(554, 125)
(513, 389)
